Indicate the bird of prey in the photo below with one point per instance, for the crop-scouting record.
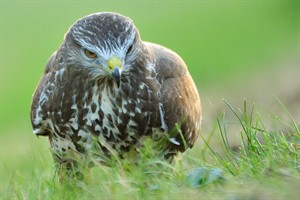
(105, 85)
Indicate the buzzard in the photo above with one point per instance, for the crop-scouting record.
(106, 86)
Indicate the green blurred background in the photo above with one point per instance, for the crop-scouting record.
(234, 49)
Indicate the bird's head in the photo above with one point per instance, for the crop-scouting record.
(103, 44)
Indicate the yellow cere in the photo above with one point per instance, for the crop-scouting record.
(114, 62)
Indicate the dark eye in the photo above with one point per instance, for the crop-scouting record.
(89, 54)
(129, 50)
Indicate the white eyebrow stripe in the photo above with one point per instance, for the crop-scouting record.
(105, 49)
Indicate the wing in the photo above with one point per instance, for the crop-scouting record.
(37, 100)
(179, 97)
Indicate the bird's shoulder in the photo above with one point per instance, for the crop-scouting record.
(51, 63)
(36, 99)
(168, 64)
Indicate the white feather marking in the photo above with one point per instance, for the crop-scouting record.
(74, 123)
(161, 113)
(124, 103)
(60, 143)
(105, 103)
(74, 120)
(98, 128)
(106, 107)
(92, 116)
(141, 86)
(151, 67)
(89, 123)
(36, 131)
(138, 110)
(43, 99)
(74, 107)
(132, 123)
(82, 133)
(174, 141)
(132, 114)
(59, 74)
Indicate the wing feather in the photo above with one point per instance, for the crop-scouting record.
(37, 98)
(179, 96)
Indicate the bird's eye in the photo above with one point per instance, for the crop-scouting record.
(89, 54)
(129, 50)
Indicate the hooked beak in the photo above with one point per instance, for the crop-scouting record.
(116, 76)
(115, 66)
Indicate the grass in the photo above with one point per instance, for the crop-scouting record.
(266, 165)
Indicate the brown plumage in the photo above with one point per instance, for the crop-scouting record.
(105, 85)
